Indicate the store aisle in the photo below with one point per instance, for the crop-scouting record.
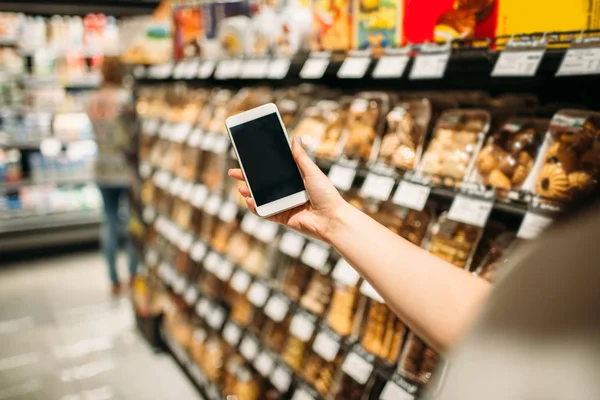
(62, 337)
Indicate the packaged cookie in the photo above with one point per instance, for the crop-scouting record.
(276, 332)
(343, 315)
(412, 225)
(241, 309)
(322, 374)
(214, 359)
(318, 293)
(247, 385)
(239, 246)
(197, 347)
(256, 260)
(457, 137)
(349, 388)
(382, 332)
(296, 280)
(294, 353)
(223, 232)
(321, 126)
(418, 361)
(496, 256)
(569, 165)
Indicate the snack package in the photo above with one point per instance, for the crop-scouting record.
(569, 165)
(241, 309)
(378, 24)
(275, 333)
(188, 31)
(320, 373)
(235, 36)
(256, 260)
(239, 246)
(297, 278)
(223, 233)
(197, 347)
(454, 242)
(349, 389)
(332, 25)
(180, 328)
(496, 256)
(412, 225)
(508, 156)
(293, 28)
(321, 126)
(382, 332)
(295, 353)
(213, 360)
(457, 137)
(417, 361)
(318, 294)
(343, 315)
(246, 386)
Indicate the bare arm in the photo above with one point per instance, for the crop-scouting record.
(434, 298)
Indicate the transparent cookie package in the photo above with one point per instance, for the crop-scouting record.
(345, 312)
(323, 375)
(418, 361)
(179, 326)
(295, 352)
(214, 358)
(382, 333)
(456, 139)
(318, 293)
(245, 385)
(239, 246)
(568, 166)
(348, 388)
(412, 225)
(242, 310)
(276, 332)
(493, 261)
(321, 124)
(296, 278)
(222, 235)
(198, 344)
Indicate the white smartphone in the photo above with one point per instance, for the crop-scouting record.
(263, 150)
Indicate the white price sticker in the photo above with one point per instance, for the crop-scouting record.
(224, 270)
(276, 308)
(281, 379)
(212, 205)
(315, 256)
(202, 307)
(264, 364)
(191, 295)
(240, 282)
(369, 291)
(228, 69)
(180, 284)
(161, 71)
(345, 274)
(208, 141)
(195, 138)
(302, 327)
(232, 334)
(357, 368)
(257, 294)
(148, 214)
(228, 212)
(354, 67)
(221, 144)
(291, 244)
(533, 224)
(390, 67)
(249, 348)
(301, 394)
(185, 241)
(191, 69)
(216, 318)
(518, 63)
(186, 192)
(139, 72)
(212, 261)
(145, 170)
(198, 251)
(341, 177)
(430, 66)
(199, 195)
(470, 210)
(377, 187)
(250, 223)
(206, 69)
(179, 70)
(391, 391)
(151, 258)
(266, 231)
(181, 132)
(580, 61)
(278, 68)
(326, 346)
(314, 68)
(411, 195)
(255, 69)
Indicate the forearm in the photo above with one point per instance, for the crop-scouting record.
(434, 298)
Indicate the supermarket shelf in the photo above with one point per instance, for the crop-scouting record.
(49, 221)
(35, 143)
(91, 81)
(117, 8)
(11, 186)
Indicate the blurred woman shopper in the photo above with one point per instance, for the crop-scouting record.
(535, 335)
(111, 111)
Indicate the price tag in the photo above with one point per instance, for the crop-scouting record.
(180, 284)
(390, 67)
(345, 274)
(291, 244)
(391, 391)
(341, 177)
(354, 67)
(255, 69)
(232, 334)
(191, 69)
(145, 170)
(240, 281)
(250, 223)
(151, 258)
(281, 379)
(228, 212)
(206, 69)
(186, 191)
(191, 295)
(195, 138)
(301, 394)
(216, 318)
(429, 66)
(249, 348)
(228, 69)
(377, 187)
(278, 68)
(518, 62)
(224, 270)
(208, 141)
(213, 259)
(277, 308)
(326, 346)
(199, 195)
(179, 70)
(470, 210)
(302, 327)
(198, 251)
(411, 195)
(139, 72)
(357, 368)
(257, 294)
(185, 241)
(180, 132)
(314, 68)
(162, 71)
(315, 256)
(212, 205)
(165, 130)
(264, 364)
(369, 291)
(266, 231)
(151, 126)
(533, 224)
(580, 61)
(221, 144)
(202, 307)
(148, 214)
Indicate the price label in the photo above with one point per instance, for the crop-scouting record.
(232, 334)
(357, 368)
(533, 224)
(341, 177)
(345, 274)
(411, 195)
(580, 61)
(249, 348)
(202, 307)
(255, 69)
(228, 69)
(301, 394)
(148, 214)
(277, 308)
(369, 291)
(191, 69)
(139, 72)
(212, 205)
(470, 210)
(224, 270)
(291, 244)
(221, 144)
(191, 295)
(391, 391)
(326, 346)
(315, 256)
(180, 132)
(257, 294)
(278, 68)
(264, 364)
(208, 141)
(250, 223)
(228, 212)
(162, 71)
(198, 251)
(179, 70)
(216, 318)
(151, 258)
(212, 261)
(186, 192)
(314, 68)
(302, 327)
(377, 187)
(199, 195)
(165, 130)
(240, 281)
(430, 66)
(195, 138)
(281, 379)
(266, 231)
(390, 67)
(354, 67)
(518, 63)
(206, 69)
(180, 284)
(145, 170)
(185, 241)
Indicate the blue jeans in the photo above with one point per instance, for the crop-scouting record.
(110, 232)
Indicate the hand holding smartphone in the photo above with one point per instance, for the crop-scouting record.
(262, 146)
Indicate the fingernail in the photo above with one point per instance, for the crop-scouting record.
(299, 140)
(240, 189)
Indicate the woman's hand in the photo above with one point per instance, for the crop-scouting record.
(316, 218)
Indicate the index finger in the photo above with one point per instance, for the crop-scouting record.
(236, 173)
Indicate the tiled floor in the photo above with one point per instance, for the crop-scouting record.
(62, 337)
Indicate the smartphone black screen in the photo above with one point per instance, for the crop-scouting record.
(267, 158)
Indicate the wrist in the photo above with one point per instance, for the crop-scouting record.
(337, 222)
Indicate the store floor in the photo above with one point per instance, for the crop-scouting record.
(62, 337)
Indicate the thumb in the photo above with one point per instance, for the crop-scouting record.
(305, 164)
